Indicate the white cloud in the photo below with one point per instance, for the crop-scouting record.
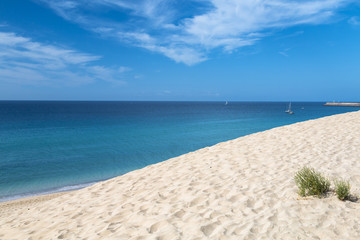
(107, 74)
(164, 27)
(67, 4)
(123, 69)
(10, 39)
(285, 52)
(25, 61)
(14, 46)
(138, 37)
(354, 20)
(185, 55)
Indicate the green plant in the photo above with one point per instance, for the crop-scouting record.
(342, 189)
(311, 182)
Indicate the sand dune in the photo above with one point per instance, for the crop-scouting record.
(240, 189)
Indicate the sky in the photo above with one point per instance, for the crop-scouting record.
(184, 50)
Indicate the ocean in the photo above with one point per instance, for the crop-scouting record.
(52, 146)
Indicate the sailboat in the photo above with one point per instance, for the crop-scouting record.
(226, 103)
(289, 111)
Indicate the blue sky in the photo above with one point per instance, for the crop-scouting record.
(217, 50)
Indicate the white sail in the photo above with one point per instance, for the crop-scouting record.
(289, 111)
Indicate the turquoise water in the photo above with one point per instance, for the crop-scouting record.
(55, 146)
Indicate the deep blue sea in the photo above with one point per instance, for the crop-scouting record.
(50, 146)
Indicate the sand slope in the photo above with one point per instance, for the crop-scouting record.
(240, 189)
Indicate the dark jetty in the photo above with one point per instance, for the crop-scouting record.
(343, 104)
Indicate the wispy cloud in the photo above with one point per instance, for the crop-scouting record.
(354, 20)
(285, 52)
(23, 60)
(189, 32)
(295, 34)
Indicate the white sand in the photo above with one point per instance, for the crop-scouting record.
(240, 189)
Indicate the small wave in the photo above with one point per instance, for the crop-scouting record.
(55, 190)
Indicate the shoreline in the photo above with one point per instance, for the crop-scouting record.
(217, 128)
(63, 189)
(70, 188)
(241, 188)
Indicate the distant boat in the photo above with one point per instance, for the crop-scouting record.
(289, 111)
(226, 103)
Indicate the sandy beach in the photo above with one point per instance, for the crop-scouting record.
(239, 189)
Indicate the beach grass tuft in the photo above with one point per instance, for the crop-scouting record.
(311, 182)
(342, 189)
